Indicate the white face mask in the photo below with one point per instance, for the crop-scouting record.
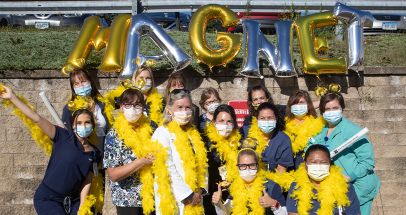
(333, 116)
(132, 114)
(224, 129)
(147, 86)
(182, 117)
(212, 107)
(248, 175)
(318, 172)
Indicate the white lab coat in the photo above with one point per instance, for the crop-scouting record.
(179, 186)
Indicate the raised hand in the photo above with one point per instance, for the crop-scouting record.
(6, 93)
(216, 197)
(266, 201)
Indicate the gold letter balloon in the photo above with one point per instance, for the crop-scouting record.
(312, 64)
(230, 43)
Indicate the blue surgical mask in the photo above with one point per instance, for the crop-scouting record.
(299, 109)
(333, 117)
(85, 90)
(267, 126)
(84, 131)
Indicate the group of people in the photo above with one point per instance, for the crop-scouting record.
(161, 157)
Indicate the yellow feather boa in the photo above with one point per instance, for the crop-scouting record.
(155, 102)
(227, 148)
(94, 198)
(154, 99)
(42, 140)
(85, 102)
(194, 160)
(332, 191)
(300, 133)
(96, 194)
(247, 195)
(255, 132)
(138, 139)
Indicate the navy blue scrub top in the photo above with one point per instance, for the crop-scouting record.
(275, 192)
(278, 151)
(352, 209)
(202, 123)
(68, 165)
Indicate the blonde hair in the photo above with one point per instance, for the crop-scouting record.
(138, 72)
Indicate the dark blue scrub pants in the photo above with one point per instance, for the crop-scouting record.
(47, 202)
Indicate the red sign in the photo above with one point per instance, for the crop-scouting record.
(241, 110)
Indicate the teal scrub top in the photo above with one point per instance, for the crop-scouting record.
(357, 161)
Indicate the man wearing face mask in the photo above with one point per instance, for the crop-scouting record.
(274, 145)
(248, 193)
(123, 151)
(357, 161)
(320, 188)
(222, 141)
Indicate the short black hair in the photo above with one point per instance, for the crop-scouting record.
(328, 98)
(228, 109)
(280, 122)
(317, 147)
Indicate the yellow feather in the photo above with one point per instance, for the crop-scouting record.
(194, 160)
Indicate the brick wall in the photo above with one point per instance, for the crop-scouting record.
(375, 99)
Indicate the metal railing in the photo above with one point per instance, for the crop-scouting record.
(125, 6)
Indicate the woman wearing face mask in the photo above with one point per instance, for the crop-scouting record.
(357, 160)
(153, 99)
(273, 144)
(256, 96)
(320, 188)
(222, 144)
(124, 154)
(186, 157)
(178, 81)
(69, 172)
(83, 88)
(302, 123)
(209, 101)
(250, 192)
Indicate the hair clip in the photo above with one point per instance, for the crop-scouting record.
(332, 88)
(81, 102)
(129, 85)
(249, 143)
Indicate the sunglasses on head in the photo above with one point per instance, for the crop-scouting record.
(177, 91)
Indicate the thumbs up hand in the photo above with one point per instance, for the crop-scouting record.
(216, 198)
(266, 201)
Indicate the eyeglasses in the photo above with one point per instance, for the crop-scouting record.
(211, 102)
(251, 166)
(177, 91)
(136, 106)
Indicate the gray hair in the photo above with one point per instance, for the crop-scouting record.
(172, 98)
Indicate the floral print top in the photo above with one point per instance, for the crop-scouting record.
(125, 193)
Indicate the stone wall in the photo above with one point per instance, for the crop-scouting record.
(375, 99)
